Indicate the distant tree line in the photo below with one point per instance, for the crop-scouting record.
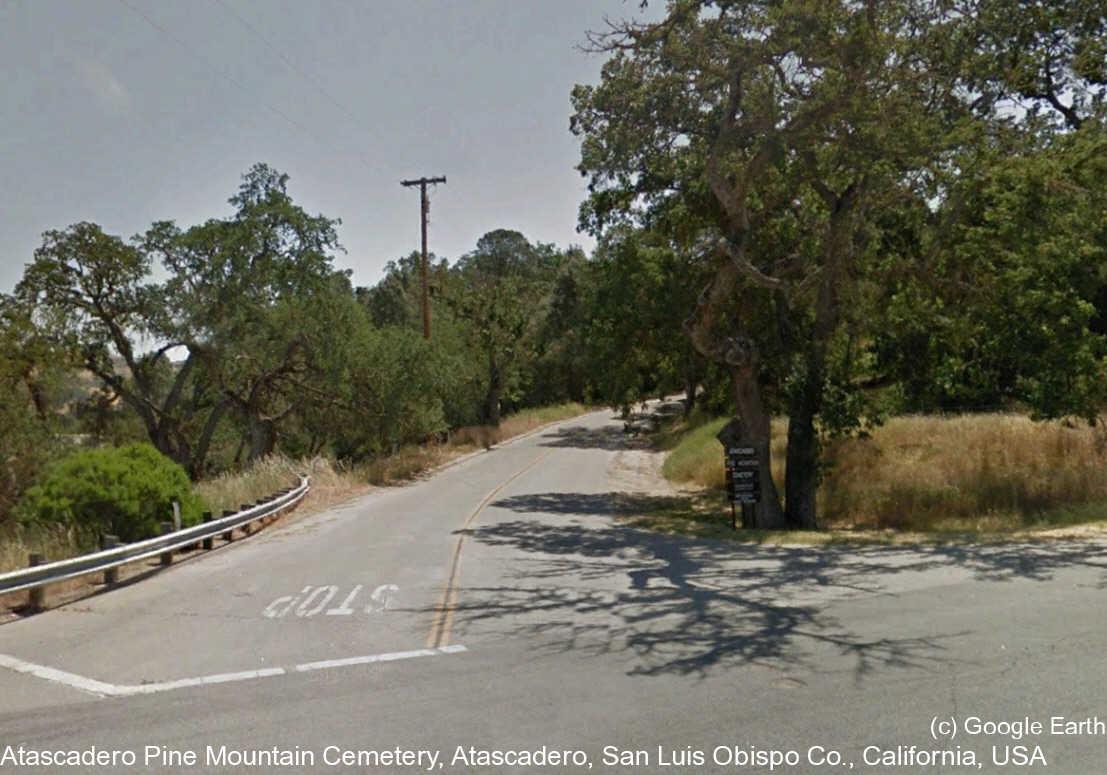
(223, 342)
(826, 211)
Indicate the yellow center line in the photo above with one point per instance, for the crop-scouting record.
(444, 612)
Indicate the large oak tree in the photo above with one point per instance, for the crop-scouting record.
(782, 124)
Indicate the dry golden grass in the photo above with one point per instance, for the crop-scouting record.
(980, 473)
(986, 473)
(408, 463)
(413, 460)
(55, 542)
(529, 419)
(332, 482)
(329, 483)
(228, 491)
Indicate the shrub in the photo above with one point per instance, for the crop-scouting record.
(125, 491)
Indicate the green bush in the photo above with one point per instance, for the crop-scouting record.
(125, 491)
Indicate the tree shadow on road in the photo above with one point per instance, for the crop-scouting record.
(609, 437)
(999, 561)
(686, 606)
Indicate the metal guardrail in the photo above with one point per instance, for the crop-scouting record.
(50, 573)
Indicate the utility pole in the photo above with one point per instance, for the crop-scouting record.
(424, 206)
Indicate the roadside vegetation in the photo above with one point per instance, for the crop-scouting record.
(984, 476)
(833, 204)
(53, 541)
(237, 354)
(811, 212)
(411, 460)
(331, 482)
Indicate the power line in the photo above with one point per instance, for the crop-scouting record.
(227, 76)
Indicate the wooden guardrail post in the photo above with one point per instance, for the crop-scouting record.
(209, 542)
(37, 596)
(229, 535)
(283, 509)
(166, 557)
(111, 575)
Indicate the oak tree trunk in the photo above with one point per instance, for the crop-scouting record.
(495, 389)
(801, 477)
(262, 437)
(756, 424)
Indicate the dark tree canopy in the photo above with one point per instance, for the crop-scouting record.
(789, 132)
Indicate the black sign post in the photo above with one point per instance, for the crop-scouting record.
(743, 473)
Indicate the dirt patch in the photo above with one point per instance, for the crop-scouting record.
(636, 467)
(638, 471)
(1071, 531)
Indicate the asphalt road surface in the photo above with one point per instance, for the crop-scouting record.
(498, 618)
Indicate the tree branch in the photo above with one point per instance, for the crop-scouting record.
(751, 272)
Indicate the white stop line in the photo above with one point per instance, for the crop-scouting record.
(103, 689)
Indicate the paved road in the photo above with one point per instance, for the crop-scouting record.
(499, 607)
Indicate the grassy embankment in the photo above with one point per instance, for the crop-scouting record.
(986, 476)
(331, 483)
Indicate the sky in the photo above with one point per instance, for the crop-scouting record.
(123, 112)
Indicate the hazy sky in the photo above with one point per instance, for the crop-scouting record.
(124, 112)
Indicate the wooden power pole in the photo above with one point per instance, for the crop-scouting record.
(424, 207)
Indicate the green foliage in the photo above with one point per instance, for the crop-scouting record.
(817, 154)
(396, 382)
(397, 300)
(697, 457)
(498, 291)
(642, 289)
(256, 301)
(759, 135)
(251, 301)
(1014, 308)
(90, 301)
(1049, 54)
(460, 373)
(560, 370)
(27, 444)
(29, 384)
(125, 491)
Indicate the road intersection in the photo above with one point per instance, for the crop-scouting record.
(500, 607)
